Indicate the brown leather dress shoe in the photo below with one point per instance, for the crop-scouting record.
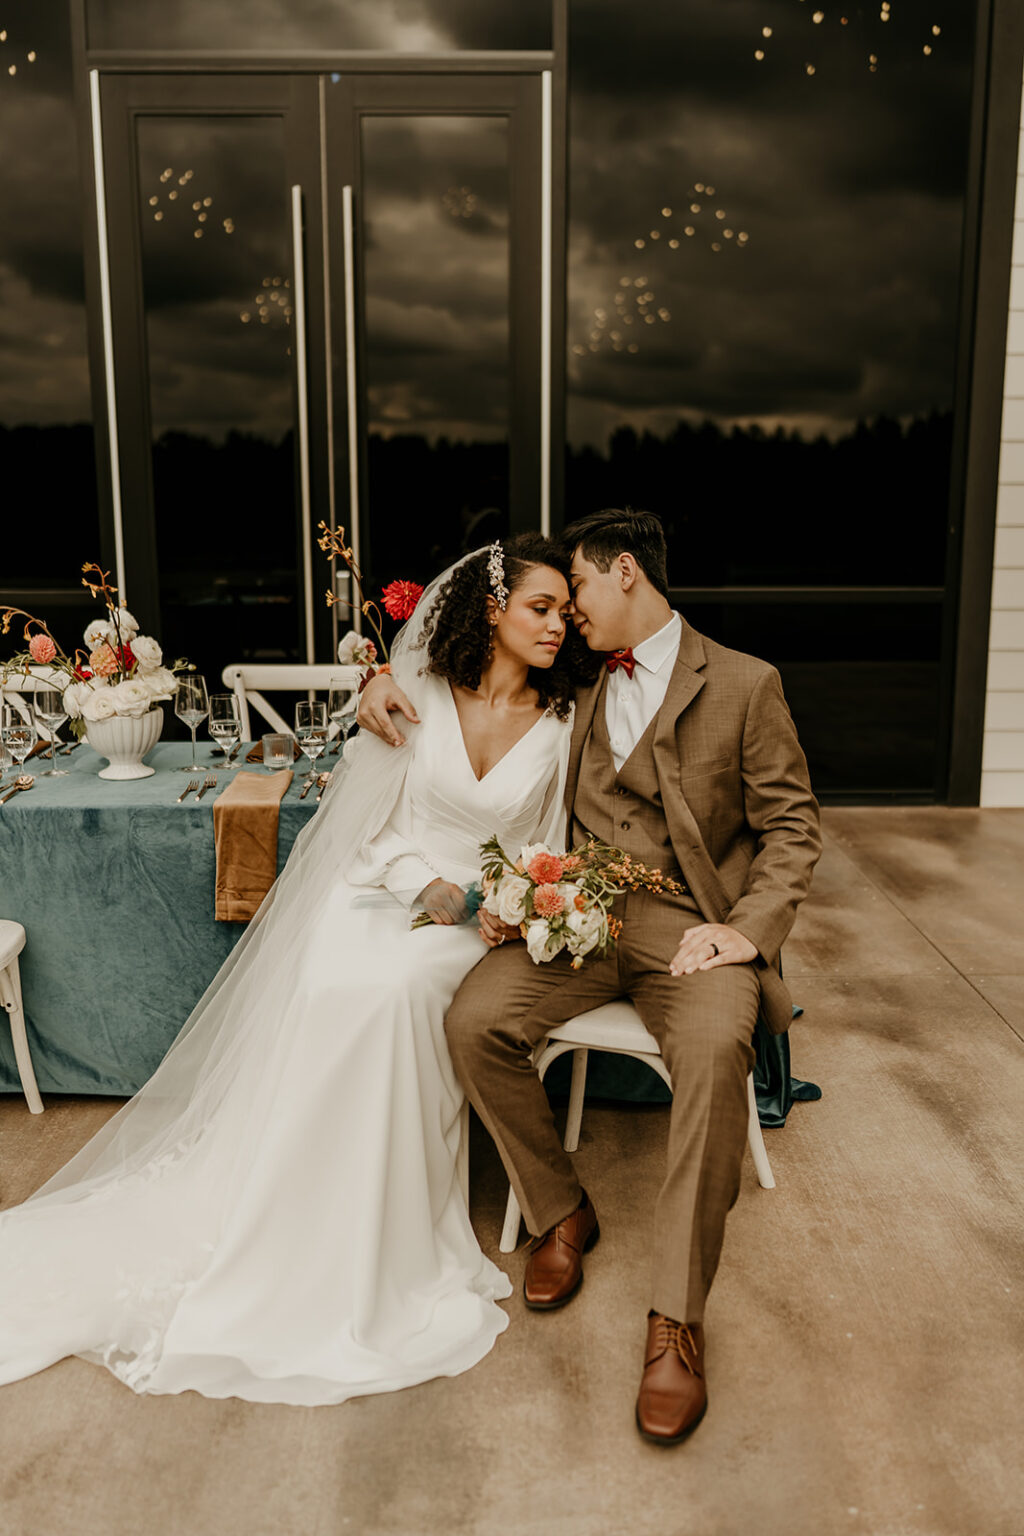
(554, 1270)
(673, 1398)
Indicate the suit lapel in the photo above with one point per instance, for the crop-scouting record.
(586, 706)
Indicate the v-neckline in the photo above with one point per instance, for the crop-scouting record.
(465, 750)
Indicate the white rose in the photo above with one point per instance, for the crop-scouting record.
(131, 697)
(99, 705)
(541, 945)
(98, 632)
(586, 930)
(128, 625)
(507, 899)
(161, 682)
(147, 653)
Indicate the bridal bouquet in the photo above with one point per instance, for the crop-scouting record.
(120, 673)
(563, 900)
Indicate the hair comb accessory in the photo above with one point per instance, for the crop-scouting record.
(496, 574)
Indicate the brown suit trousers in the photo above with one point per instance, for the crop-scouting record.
(720, 780)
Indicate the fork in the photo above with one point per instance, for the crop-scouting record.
(192, 784)
(210, 782)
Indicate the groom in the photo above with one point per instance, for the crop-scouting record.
(683, 754)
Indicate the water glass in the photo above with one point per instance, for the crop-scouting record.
(341, 710)
(225, 723)
(49, 708)
(311, 730)
(17, 734)
(192, 705)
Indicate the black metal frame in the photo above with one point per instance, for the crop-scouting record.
(982, 326)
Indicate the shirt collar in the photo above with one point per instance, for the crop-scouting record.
(653, 652)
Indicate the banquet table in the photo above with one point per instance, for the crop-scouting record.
(114, 885)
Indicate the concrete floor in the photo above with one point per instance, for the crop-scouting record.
(864, 1354)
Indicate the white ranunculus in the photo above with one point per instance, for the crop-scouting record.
(99, 704)
(507, 899)
(541, 944)
(586, 930)
(128, 625)
(98, 632)
(73, 700)
(161, 682)
(132, 697)
(147, 653)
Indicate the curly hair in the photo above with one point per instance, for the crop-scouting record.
(458, 636)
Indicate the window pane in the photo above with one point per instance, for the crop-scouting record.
(47, 460)
(861, 679)
(216, 271)
(436, 208)
(394, 26)
(765, 245)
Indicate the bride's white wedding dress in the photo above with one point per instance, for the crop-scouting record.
(276, 1215)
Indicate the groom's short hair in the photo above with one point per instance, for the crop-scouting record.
(603, 536)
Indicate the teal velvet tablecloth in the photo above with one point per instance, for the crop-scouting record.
(114, 885)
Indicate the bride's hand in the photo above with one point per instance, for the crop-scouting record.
(493, 931)
(444, 902)
(380, 695)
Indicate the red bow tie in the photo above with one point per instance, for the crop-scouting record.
(624, 659)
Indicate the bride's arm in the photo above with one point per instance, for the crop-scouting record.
(378, 700)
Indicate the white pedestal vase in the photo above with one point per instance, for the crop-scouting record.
(125, 740)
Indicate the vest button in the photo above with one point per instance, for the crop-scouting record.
(625, 826)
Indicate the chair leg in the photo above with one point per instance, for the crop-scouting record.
(765, 1177)
(462, 1156)
(510, 1231)
(10, 999)
(577, 1092)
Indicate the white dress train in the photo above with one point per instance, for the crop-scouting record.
(299, 1237)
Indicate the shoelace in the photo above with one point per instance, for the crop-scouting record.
(668, 1334)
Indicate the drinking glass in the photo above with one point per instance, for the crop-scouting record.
(225, 724)
(49, 708)
(18, 735)
(311, 730)
(192, 705)
(341, 709)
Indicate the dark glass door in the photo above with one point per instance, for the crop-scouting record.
(213, 186)
(432, 192)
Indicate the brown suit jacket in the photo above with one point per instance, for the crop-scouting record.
(737, 798)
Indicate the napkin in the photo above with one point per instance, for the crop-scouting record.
(245, 818)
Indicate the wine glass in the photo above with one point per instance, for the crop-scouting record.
(311, 730)
(49, 708)
(341, 708)
(18, 734)
(225, 724)
(192, 705)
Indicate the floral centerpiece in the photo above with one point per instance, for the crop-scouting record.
(119, 676)
(563, 900)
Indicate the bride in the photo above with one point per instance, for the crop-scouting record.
(276, 1215)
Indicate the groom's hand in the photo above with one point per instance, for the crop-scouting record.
(493, 931)
(709, 945)
(444, 902)
(380, 695)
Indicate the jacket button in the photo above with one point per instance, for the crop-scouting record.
(620, 789)
(625, 826)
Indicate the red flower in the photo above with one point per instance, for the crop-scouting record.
(546, 868)
(400, 598)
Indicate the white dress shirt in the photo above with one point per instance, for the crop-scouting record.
(631, 703)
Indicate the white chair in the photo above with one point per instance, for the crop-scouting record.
(614, 1027)
(246, 680)
(12, 942)
(18, 688)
